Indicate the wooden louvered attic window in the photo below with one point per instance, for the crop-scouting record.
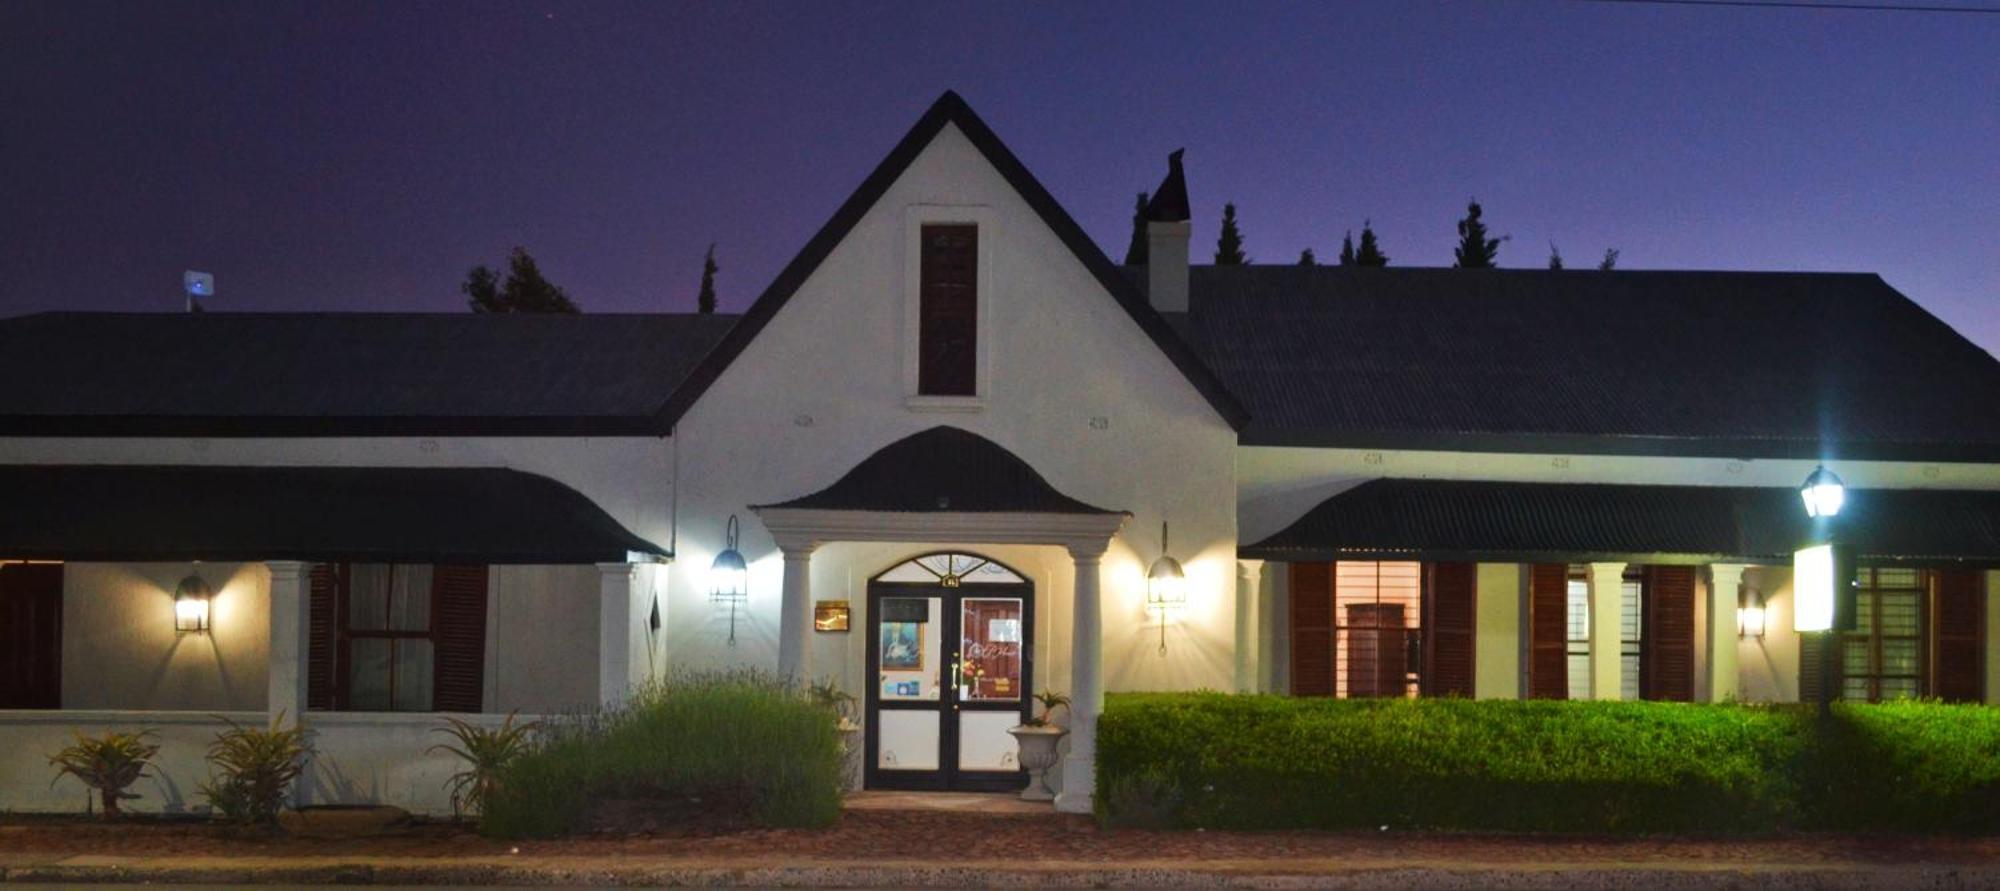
(948, 311)
(397, 637)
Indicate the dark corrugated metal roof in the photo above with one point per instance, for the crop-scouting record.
(344, 373)
(454, 515)
(942, 469)
(1477, 520)
(1727, 364)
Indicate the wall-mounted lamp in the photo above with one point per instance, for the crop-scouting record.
(191, 598)
(729, 577)
(1750, 615)
(1166, 586)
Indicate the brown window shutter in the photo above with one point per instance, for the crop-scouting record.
(1448, 655)
(1312, 629)
(1811, 644)
(1960, 623)
(322, 628)
(948, 311)
(1548, 631)
(1667, 634)
(458, 633)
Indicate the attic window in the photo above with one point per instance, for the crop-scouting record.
(948, 311)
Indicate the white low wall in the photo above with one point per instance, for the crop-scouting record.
(359, 759)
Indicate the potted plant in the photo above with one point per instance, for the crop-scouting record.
(1038, 736)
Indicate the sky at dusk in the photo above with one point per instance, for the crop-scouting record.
(348, 156)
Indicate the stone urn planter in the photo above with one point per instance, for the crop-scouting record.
(1038, 754)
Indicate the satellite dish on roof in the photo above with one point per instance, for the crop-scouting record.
(197, 284)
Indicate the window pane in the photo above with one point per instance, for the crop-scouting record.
(414, 660)
(368, 675)
(410, 598)
(1899, 688)
(1376, 608)
(1896, 578)
(1899, 613)
(1899, 657)
(990, 649)
(368, 596)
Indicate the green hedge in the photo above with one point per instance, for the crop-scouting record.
(1264, 762)
(722, 747)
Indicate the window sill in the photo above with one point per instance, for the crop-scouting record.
(945, 404)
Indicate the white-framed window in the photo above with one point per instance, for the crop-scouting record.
(948, 305)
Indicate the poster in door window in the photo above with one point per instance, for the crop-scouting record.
(902, 646)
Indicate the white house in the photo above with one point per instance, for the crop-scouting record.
(959, 435)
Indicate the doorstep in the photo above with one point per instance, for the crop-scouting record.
(946, 802)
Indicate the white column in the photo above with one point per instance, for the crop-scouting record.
(289, 651)
(614, 631)
(795, 612)
(1086, 654)
(1725, 583)
(1496, 672)
(287, 691)
(1607, 586)
(1249, 584)
(1993, 637)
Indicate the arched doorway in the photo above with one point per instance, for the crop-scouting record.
(951, 662)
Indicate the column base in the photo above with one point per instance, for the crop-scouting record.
(1079, 782)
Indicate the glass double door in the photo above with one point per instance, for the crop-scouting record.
(951, 668)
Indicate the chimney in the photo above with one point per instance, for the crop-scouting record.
(1167, 233)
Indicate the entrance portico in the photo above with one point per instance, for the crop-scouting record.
(948, 487)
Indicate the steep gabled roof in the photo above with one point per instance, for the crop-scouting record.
(949, 109)
(344, 374)
(1715, 364)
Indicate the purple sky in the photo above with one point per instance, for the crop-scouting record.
(342, 156)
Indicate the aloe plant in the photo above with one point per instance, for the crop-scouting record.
(1050, 700)
(486, 753)
(256, 768)
(107, 764)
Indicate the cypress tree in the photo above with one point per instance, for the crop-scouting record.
(1475, 250)
(1229, 245)
(1610, 260)
(1370, 253)
(1347, 249)
(1555, 257)
(1135, 250)
(705, 301)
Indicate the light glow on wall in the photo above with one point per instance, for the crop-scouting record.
(1812, 589)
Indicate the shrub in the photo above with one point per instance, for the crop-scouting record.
(486, 753)
(1262, 762)
(719, 747)
(255, 769)
(107, 764)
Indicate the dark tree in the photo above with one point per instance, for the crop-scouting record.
(1370, 252)
(524, 290)
(1229, 245)
(1555, 257)
(1347, 249)
(1306, 258)
(705, 301)
(1135, 250)
(1610, 260)
(1475, 250)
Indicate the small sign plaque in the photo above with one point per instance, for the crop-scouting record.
(830, 615)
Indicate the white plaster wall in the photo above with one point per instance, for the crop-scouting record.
(120, 649)
(360, 759)
(1767, 669)
(1497, 647)
(541, 639)
(1279, 484)
(822, 387)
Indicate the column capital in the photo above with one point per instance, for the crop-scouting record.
(796, 546)
(1249, 565)
(1602, 569)
(287, 569)
(1719, 572)
(1087, 550)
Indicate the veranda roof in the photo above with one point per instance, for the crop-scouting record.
(386, 514)
(1570, 522)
